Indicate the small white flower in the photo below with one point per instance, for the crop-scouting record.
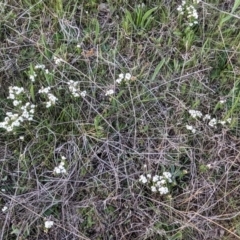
(209, 166)
(155, 178)
(163, 190)
(60, 169)
(121, 76)
(191, 128)
(119, 80)
(4, 209)
(32, 78)
(48, 224)
(229, 120)
(153, 188)
(222, 122)
(109, 92)
(128, 76)
(44, 90)
(163, 181)
(21, 138)
(195, 113)
(206, 117)
(40, 66)
(213, 122)
(179, 8)
(57, 60)
(222, 101)
(57, 170)
(143, 179)
(167, 175)
(83, 94)
(16, 102)
(149, 175)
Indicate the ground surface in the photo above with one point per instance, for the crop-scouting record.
(112, 137)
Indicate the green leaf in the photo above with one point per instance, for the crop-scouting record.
(235, 6)
(129, 17)
(32, 92)
(146, 15)
(177, 236)
(157, 69)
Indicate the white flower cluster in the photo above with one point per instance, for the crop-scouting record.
(109, 92)
(48, 224)
(60, 168)
(74, 89)
(57, 60)
(158, 183)
(42, 67)
(24, 112)
(212, 121)
(32, 76)
(14, 92)
(4, 209)
(195, 113)
(190, 11)
(51, 98)
(191, 128)
(122, 77)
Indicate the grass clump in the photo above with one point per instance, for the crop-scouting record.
(119, 120)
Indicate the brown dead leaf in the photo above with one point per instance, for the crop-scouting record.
(89, 53)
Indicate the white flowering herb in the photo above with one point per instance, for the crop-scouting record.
(32, 76)
(21, 138)
(48, 224)
(83, 94)
(229, 120)
(40, 66)
(14, 92)
(189, 10)
(4, 209)
(73, 87)
(191, 128)
(51, 99)
(57, 60)
(153, 188)
(212, 122)
(206, 117)
(155, 178)
(163, 190)
(44, 90)
(209, 166)
(60, 169)
(123, 77)
(21, 112)
(222, 101)
(109, 92)
(143, 179)
(195, 113)
(157, 183)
